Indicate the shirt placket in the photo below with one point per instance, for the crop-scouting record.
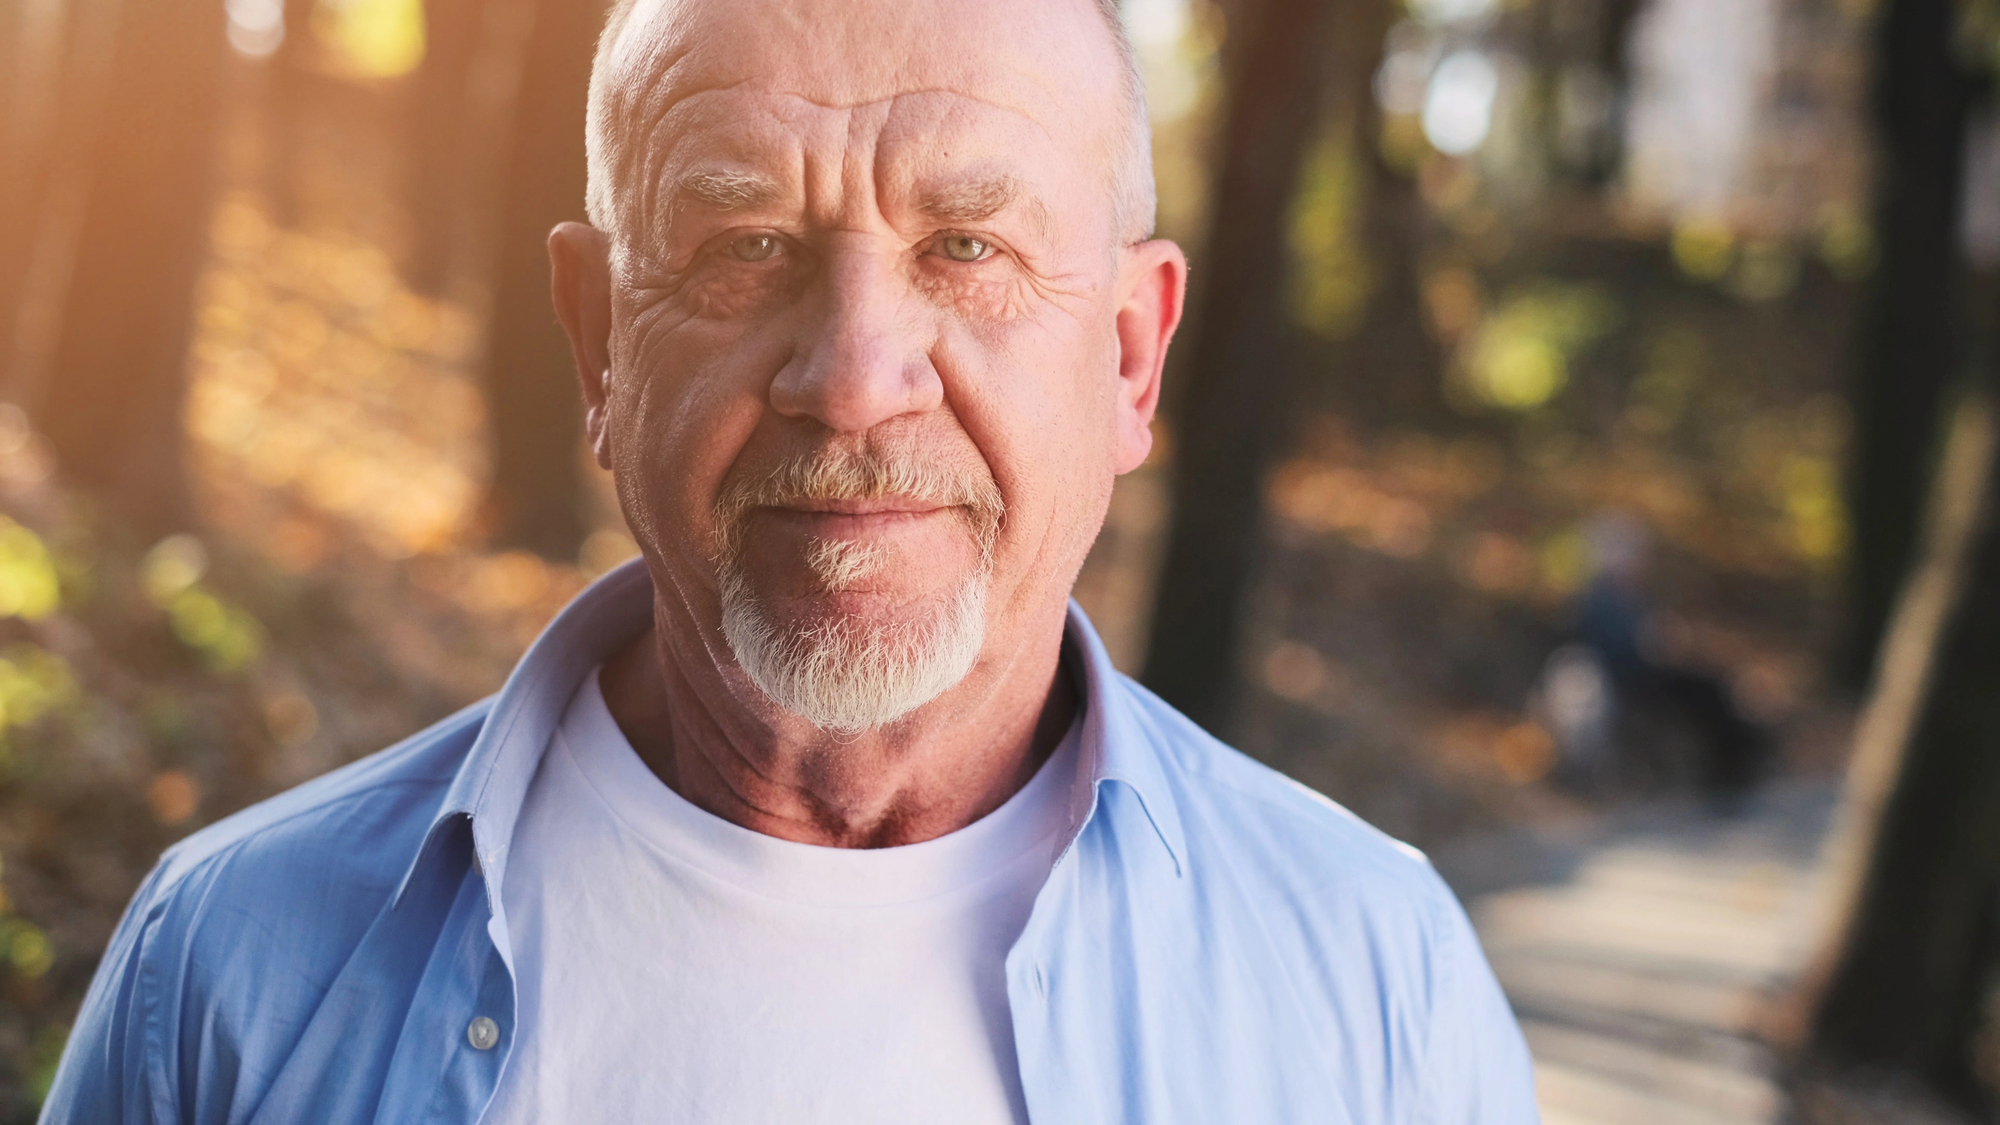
(461, 1028)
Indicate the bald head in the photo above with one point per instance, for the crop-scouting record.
(1051, 59)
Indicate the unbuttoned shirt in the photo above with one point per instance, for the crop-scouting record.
(1215, 944)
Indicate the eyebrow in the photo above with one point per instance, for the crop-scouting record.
(979, 198)
(726, 189)
(969, 201)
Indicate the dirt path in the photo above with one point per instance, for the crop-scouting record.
(1638, 976)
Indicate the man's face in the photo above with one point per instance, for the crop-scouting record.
(866, 375)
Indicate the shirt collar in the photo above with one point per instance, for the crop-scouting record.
(1119, 742)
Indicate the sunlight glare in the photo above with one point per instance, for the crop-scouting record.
(1458, 110)
(256, 27)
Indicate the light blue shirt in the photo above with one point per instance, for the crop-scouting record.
(1217, 944)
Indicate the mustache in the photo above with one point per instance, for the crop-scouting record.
(862, 474)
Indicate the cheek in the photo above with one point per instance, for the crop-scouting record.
(685, 400)
(1040, 406)
(739, 292)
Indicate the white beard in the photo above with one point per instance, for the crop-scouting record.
(844, 675)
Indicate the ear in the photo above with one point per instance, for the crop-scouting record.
(1153, 278)
(580, 283)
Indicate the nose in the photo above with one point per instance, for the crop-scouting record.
(863, 360)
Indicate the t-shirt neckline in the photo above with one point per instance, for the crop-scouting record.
(1023, 828)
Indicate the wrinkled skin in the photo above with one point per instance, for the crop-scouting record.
(872, 224)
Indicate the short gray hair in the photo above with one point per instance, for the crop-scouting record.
(1134, 199)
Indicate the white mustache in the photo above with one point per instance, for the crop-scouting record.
(832, 475)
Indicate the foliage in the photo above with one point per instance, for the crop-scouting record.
(373, 38)
(147, 690)
(87, 674)
(1520, 356)
(1331, 277)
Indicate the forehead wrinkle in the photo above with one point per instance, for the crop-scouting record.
(643, 95)
(649, 157)
(964, 197)
(973, 194)
(816, 52)
(655, 121)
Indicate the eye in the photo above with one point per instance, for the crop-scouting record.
(754, 247)
(965, 248)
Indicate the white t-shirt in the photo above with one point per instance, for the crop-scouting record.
(673, 967)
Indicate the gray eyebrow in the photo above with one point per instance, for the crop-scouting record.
(977, 199)
(726, 189)
(969, 201)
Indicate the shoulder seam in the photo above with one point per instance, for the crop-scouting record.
(173, 880)
(1314, 811)
(338, 792)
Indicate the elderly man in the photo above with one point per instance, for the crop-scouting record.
(830, 808)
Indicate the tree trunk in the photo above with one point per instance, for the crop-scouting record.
(56, 53)
(1911, 344)
(288, 96)
(536, 498)
(1917, 973)
(1230, 414)
(30, 54)
(1392, 367)
(440, 151)
(116, 375)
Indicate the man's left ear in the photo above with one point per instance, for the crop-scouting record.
(1153, 278)
(580, 284)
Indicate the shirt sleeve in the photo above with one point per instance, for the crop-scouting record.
(103, 1076)
(1477, 1065)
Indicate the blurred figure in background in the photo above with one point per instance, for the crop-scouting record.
(1624, 711)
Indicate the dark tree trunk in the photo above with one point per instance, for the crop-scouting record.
(287, 96)
(1387, 368)
(110, 398)
(1230, 414)
(1914, 985)
(23, 126)
(537, 487)
(47, 58)
(441, 152)
(1392, 367)
(1911, 344)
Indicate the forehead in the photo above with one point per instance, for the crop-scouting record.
(928, 81)
(912, 140)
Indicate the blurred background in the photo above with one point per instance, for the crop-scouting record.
(1577, 461)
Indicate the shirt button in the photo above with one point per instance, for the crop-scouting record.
(482, 1033)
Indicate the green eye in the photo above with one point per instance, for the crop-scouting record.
(754, 247)
(965, 248)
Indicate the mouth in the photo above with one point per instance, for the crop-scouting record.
(846, 543)
(845, 519)
(862, 499)
(874, 506)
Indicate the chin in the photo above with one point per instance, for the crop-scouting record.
(849, 660)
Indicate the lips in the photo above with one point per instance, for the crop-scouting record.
(874, 506)
(859, 519)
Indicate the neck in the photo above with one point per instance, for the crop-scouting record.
(933, 772)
